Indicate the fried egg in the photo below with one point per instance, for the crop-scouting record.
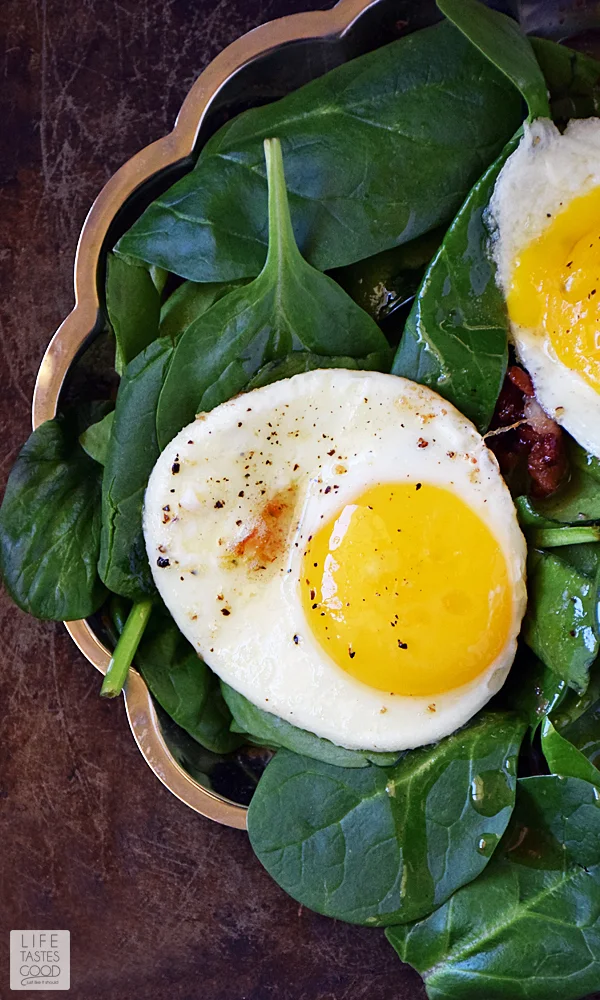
(341, 548)
(545, 217)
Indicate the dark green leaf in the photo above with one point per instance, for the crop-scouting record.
(133, 306)
(94, 440)
(184, 686)
(132, 451)
(529, 927)
(377, 845)
(500, 39)
(561, 625)
(574, 706)
(579, 499)
(386, 281)
(573, 80)
(564, 758)
(50, 526)
(378, 151)
(531, 689)
(456, 337)
(289, 307)
(187, 303)
(304, 361)
(269, 730)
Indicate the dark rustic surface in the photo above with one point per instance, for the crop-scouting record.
(160, 903)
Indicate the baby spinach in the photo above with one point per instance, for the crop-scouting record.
(289, 307)
(377, 151)
(187, 303)
(133, 307)
(376, 845)
(531, 688)
(456, 336)
(500, 40)
(50, 525)
(94, 440)
(565, 718)
(564, 758)
(183, 685)
(561, 624)
(573, 80)
(131, 454)
(529, 926)
(269, 730)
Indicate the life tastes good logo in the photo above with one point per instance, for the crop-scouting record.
(40, 960)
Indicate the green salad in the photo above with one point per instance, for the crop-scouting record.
(363, 224)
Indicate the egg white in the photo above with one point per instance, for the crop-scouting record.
(547, 171)
(211, 478)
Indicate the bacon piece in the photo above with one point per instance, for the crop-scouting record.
(536, 447)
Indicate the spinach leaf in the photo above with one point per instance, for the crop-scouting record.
(579, 499)
(501, 41)
(376, 845)
(133, 307)
(304, 361)
(529, 926)
(383, 283)
(561, 624)
(184, 686)
(187, 303)
(573, 80)
(50, 525)
(131, 454)
(530, 689)
(456, 337)
(378, 151)
(565, 718)
(289, 307)
(269, 730)
(94, 440)
(564, 758)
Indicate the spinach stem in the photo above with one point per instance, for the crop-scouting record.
(552, 538)
(126, 648)
(281, 231)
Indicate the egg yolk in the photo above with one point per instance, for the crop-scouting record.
(555, 286)
(407, 589)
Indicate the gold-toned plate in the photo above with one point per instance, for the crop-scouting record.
(78, 328)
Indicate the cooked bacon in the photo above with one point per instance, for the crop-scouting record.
(536, 445)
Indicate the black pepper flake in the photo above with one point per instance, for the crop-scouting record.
(418, 486)
(315, 606)
(239, 423)
(238, 523)
(328, 489)
(166, 507)
(332, 452)
(241, 493)
(402, 645)
(313, 594)
(190, 442)
(225, 611)
(171, 491)
(351, 654)
(572, 633)
(422, 443)
(175, 468)
(219, 504)
(162, 563)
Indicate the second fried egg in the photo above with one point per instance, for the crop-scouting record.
(545, 216)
